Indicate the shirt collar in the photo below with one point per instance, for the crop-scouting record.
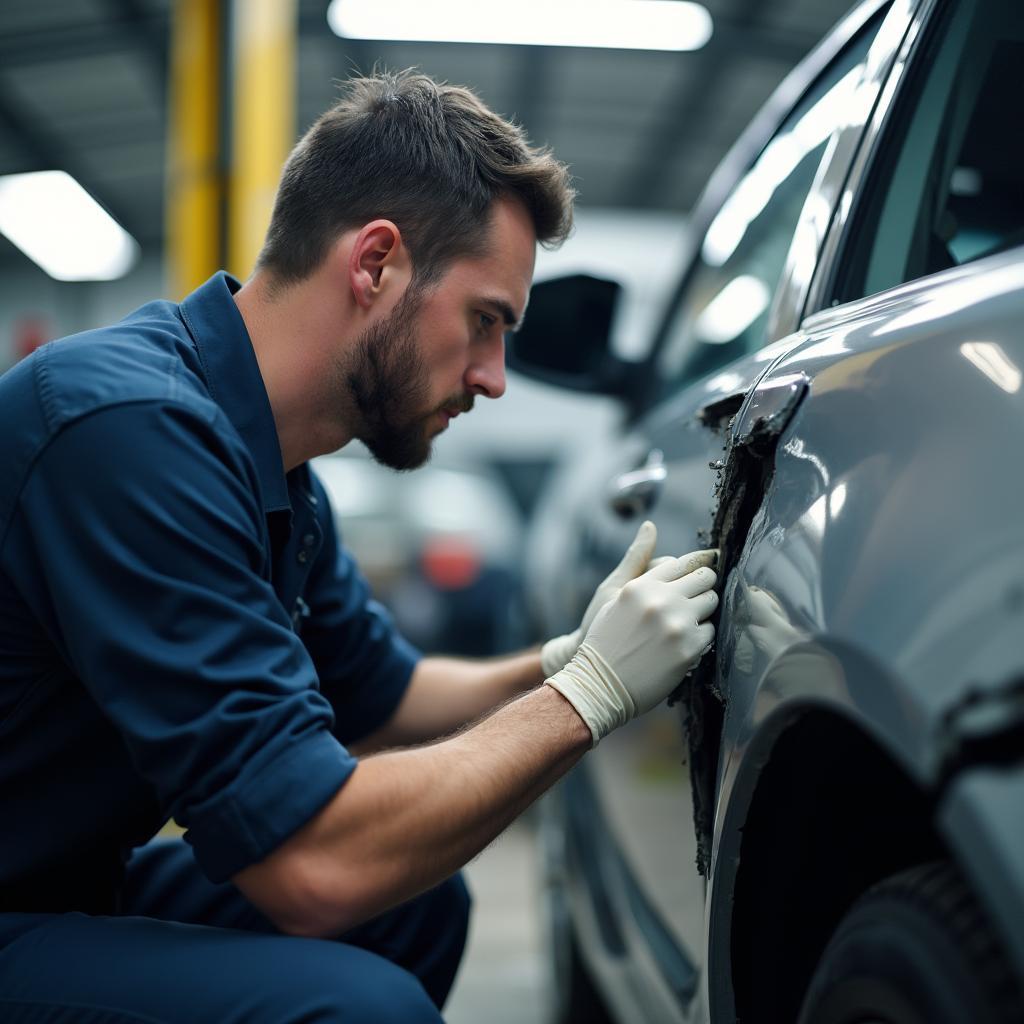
(234, 379)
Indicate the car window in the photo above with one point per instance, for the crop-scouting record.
(722, 313)
(946, 187)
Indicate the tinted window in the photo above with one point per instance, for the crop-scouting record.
(723, 311)
(948, 185)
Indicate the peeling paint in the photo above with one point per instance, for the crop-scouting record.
(751, 430)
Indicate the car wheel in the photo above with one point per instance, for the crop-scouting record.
(915, 949)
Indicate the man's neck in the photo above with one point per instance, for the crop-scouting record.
(288, 332)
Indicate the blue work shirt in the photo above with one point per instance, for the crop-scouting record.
(181, 632)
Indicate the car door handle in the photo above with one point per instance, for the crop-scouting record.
(635, 492)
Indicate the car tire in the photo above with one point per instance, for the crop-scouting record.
(915, 949)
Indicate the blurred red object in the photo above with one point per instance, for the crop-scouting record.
(450, 563)
(29, 333)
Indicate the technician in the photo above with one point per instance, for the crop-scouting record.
(182, 634)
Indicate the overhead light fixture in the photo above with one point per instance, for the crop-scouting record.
(59, 226)
(615, 24)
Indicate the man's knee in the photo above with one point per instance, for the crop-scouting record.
(398, 998)
(452, 903)
(335, 984)
(426, 936)
(460, 902)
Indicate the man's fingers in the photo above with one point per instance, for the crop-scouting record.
(675, 570)
(705, 635)
(704, 605)
(672, 568)
(698, 559)
(697, 582)
(638, 554)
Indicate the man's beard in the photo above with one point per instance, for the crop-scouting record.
(388, 383)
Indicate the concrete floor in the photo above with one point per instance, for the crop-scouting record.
(501, 978)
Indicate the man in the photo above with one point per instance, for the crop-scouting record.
(182, 635)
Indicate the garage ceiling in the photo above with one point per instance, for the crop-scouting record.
(83, 88)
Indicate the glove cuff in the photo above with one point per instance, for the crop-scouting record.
(592, 687)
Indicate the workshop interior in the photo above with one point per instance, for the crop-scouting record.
(785, 328)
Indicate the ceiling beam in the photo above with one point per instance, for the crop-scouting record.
(120, 32)
(150, 35)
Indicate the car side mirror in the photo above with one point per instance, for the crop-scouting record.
(565, 339)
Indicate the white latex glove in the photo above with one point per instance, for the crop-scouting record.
(641, 644)
(637, 559)
(557, 651)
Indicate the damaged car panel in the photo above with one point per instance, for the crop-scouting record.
(743, 478)
(855, 735)
(865, 591)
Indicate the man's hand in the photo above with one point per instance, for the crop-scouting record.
(557, 651)
(555, 654)
(641, 644)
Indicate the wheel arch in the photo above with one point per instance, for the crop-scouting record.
(830, 813)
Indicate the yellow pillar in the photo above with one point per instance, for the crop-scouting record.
(263, 126)
(194, 182)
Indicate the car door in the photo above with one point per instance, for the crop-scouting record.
(890, 537)
(648, 792)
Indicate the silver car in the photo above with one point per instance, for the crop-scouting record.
(827, 824)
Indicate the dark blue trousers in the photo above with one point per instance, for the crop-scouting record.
(186, 951)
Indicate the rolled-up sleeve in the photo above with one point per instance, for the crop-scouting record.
(363, 662)
(145, 554)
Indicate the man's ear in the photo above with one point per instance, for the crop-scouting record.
(377, 260)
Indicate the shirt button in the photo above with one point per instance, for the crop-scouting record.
(309, 540)
(303, 556)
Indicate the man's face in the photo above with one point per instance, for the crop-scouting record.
(442, 346)
(388, 383)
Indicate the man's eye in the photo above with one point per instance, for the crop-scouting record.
(487, 322)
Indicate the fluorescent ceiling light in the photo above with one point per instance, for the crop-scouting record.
(617, 24)
(59, 226)
(732, 310)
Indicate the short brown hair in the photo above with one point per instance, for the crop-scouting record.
(427, 155)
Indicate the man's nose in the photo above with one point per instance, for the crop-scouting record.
(486, 374)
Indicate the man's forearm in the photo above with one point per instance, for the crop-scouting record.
(407, 819)
(446, 693)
